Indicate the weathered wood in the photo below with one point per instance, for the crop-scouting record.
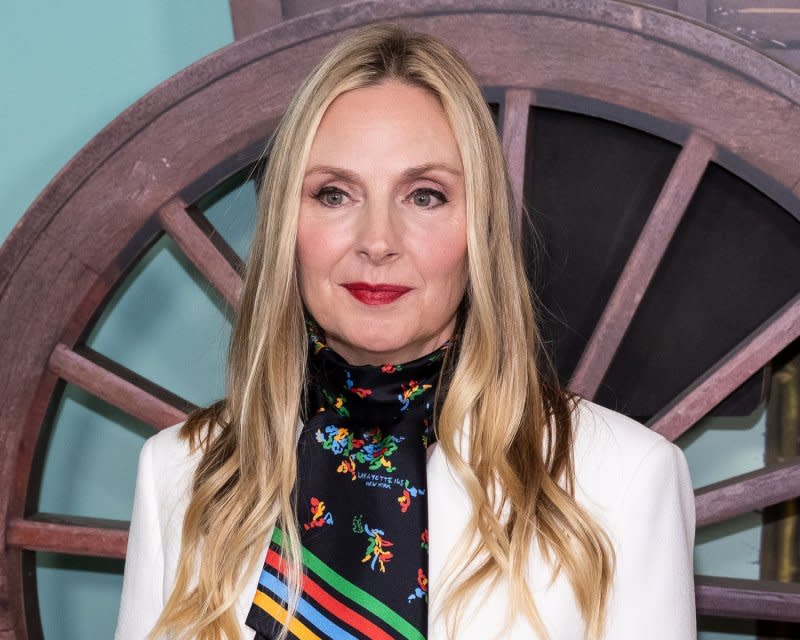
(749, 599)
(516, 110)
(747, 492)
(118, 386)
(251, 16)
(776, 22)
(73, 535)
(738, 365)
(642, 264)
(201, 251)
(27, 387)
(697, 9)
(790, 57)
(297, 8)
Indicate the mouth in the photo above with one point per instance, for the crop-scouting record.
(375, 294)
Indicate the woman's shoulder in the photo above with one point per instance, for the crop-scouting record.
(598, 427)
(170, 459)
(612, 452)
(172, 448)
(168, 439)
(168, 447)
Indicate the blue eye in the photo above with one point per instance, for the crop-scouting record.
(425, 198)
(330, 196)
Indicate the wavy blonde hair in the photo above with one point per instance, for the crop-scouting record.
(520, 439)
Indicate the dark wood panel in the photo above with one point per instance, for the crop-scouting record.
(642, 264)
(731, 371)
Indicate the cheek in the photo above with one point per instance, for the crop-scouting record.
(446, 263)
(456, 269)
(311, 265)
(317, 251)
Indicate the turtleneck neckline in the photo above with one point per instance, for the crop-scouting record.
(373, 396)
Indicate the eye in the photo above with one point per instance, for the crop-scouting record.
(330, 196)
(426, 197)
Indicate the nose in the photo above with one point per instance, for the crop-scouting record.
(378, 238)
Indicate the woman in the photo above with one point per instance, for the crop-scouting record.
(392, 431)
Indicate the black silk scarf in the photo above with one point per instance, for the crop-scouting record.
(361, 503)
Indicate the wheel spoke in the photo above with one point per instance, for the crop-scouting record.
(747, 492)
(749, 599)
(72, 535)
(118, 386)
(204, 248)
(516, 109)
(641, 265)
(727, 374)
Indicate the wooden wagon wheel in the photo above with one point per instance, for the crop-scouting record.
(647, 69)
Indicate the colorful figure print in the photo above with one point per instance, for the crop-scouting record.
(348, 466)
(373, 448)
(424, 540)
(335, 439)
(338, 403)
(361, 392)
(408, 493)
(426, 431)
(377, 449)
(376, 547)
(391, 368)
(316, 340)
(410, 391)
(421, 591)
(319, 517)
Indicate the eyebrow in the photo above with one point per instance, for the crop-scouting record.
(408, 174)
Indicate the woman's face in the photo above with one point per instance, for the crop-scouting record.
(381, 238)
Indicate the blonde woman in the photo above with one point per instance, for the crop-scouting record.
(394, 457)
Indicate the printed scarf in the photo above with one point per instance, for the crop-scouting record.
(361, 503)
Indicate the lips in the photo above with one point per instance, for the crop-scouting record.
(375, 294)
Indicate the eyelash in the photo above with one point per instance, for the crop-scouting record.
(321, 193)
(431, 192)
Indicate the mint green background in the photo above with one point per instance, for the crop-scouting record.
(68, 68)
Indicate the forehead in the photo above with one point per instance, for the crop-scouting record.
(393, 122)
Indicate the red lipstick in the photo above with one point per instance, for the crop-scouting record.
(375, 293)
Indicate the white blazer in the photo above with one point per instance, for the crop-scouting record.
(632, 480)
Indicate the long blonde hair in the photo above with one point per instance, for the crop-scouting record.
(520, 438)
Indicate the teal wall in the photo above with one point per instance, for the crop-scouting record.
(68, 69)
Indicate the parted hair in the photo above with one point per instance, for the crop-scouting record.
(515, 460)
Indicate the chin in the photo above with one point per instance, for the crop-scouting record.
(372, 343)
(378, 345)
